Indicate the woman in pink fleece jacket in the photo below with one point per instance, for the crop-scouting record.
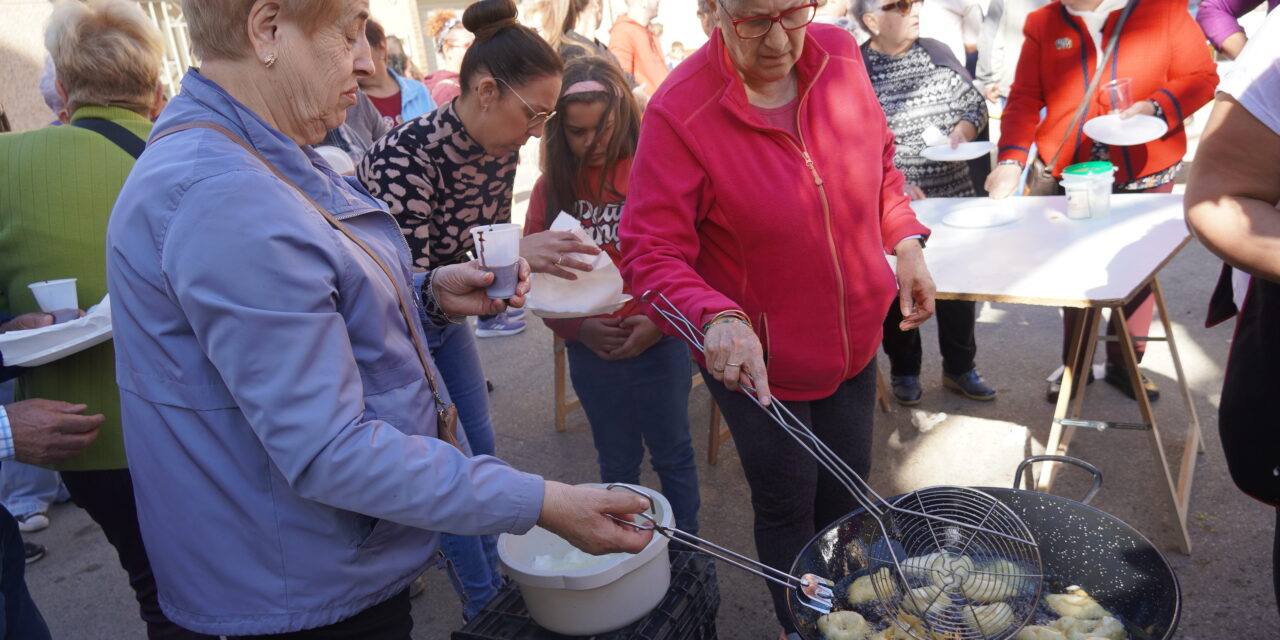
(763, 201)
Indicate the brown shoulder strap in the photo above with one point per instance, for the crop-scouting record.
(1093, 84)
(336, 224)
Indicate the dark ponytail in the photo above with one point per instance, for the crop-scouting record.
(504, 48)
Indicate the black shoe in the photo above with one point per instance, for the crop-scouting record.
(906, 390)
(970, 385)
(1118, 377)
(1055, 385)
(34, 551)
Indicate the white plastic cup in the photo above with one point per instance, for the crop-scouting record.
(498, 248)
(53, 295)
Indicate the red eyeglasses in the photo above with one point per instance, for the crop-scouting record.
(759, 26)
(901, 6)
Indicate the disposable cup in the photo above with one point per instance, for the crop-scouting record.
(1117, 95)
(498, 249)
(53, 295)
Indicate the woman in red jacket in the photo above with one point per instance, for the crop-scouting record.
(762, 202)
(1162, 52)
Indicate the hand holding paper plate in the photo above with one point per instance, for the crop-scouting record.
(595, 292)
(35, 347)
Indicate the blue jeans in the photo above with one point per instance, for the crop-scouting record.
(472, 561)
(20, 617)
(25, 489)
(637, 402)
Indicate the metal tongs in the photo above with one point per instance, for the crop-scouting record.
(812, 591)
(973, 520)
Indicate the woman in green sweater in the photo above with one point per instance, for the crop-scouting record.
(57, 187)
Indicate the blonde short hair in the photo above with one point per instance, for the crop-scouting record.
(218, 27)
(105, 52)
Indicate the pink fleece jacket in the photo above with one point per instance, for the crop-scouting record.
(725, 212)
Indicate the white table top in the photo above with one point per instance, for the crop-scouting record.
(1046, 258)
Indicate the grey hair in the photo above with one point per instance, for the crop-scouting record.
(859, 8)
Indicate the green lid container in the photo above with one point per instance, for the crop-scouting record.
(1100, 167)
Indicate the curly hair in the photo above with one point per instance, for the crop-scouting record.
(437, 21)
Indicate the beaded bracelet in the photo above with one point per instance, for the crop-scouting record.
(724, 317)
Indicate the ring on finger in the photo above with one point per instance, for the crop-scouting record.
(559, 260)
(732, 364)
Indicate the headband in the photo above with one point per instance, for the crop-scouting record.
(586, 86)
(444, 32)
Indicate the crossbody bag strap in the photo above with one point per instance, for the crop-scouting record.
(120, 136)
(1095, 83)
(446, 411)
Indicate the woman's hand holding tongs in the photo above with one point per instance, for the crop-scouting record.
(735, 357)
(581, 515)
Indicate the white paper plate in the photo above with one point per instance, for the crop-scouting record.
(1110, 129)
(57, 352)
(965, 151)
(609, 308)
(981, 216)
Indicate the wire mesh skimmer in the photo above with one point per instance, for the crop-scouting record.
(951, 562)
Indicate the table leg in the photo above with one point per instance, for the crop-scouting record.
(1148, 416)
(1177, 367)
(1195, 441)
(1075, 376)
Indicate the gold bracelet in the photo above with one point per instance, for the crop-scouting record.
(727, 316)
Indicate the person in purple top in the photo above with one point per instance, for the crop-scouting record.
(1219, 19)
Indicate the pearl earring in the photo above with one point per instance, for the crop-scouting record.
(269, 60)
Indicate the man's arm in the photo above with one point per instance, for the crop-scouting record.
(39, 431)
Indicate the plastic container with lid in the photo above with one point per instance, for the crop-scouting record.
(1088, 188)
(607, 594)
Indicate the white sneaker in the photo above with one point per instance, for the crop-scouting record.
(499, 325)
(32, 522)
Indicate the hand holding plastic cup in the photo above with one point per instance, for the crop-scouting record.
(498, 248)
(1117, 95)
(53, 295)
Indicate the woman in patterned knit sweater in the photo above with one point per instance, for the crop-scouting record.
(920, 83)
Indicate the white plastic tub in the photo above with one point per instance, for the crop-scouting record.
(1088, 189)
(589, 600)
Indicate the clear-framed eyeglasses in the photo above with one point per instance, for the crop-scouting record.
(538, 117)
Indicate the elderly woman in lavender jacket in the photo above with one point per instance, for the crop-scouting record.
(282, 429)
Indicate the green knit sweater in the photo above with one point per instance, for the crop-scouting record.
(57, 187)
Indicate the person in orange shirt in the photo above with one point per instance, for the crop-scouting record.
(636, 48)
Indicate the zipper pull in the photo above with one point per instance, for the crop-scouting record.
(817, 180)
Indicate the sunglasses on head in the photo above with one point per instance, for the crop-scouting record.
(901, 6)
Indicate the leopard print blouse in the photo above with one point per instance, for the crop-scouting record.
(439, 183)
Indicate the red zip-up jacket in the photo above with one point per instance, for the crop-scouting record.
(1161, 50)
(726, 213)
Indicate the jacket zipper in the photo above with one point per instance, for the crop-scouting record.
(803, 150)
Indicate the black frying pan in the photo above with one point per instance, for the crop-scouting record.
(1079, 545)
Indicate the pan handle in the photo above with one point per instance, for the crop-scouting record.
(812, 591)
(1097, 474)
